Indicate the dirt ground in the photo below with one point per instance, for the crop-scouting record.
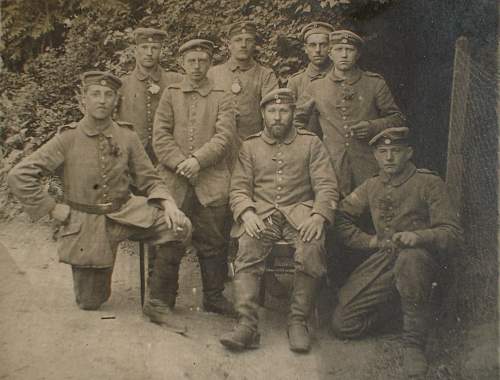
(43, 334)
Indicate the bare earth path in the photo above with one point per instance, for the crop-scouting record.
(43, 335)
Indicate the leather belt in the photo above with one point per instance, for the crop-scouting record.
(99, 208)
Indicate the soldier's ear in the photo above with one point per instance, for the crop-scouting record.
(410, 152)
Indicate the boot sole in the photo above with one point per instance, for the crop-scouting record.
(237, 346)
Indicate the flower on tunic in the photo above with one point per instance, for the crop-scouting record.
(154, 88)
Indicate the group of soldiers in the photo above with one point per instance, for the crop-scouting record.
(163, 158)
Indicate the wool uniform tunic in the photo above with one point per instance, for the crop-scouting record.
(339, 104)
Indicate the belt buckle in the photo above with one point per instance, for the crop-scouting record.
(105, 207)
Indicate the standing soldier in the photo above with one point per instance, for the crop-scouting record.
(142, 88)
(316, 38)
(141, 92)
(192, 136)
(415, 228)
(245, 79)
(283, 187)
(100, 159)
(352, 106)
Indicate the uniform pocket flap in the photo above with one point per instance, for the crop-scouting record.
(71, 229)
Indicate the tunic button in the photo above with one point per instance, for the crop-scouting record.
(344, 117)
(280, 161)
(345, 127)
(279, 187)
(344, 109)
(347, 135)
(346, 144)
(278, 197)
(277, 205)
(191, 147)
(280, 171)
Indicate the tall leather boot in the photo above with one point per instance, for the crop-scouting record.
(164, 285)
(246, 292)
(213, 276)
(416, 325)
(304, 294)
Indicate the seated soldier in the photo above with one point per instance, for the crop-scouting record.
(100, 159)
(283, 188)
(415, 226)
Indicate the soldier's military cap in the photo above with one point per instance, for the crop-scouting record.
(279, 96)
(101, 78)
(197, 45)
(391, 136)
(242, 27)
(346, 37)
(316, 27)
(149, 35)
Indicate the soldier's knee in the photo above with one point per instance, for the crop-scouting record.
(413, 262)
(344, 327)
(89, 304)
(414, 271)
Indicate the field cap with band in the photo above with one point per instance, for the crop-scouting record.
(279, 96)
(197, 45)
(391, 136)
(346, 37)
(101, 78)
(316, 27)
(242, 27)
(149, 35)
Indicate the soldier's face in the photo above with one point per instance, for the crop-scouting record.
(278, 119)
(242, 46)
(316, 48)
(99, 101)
(196, 65)
(344, 56)
(392, 159)
(148, 54)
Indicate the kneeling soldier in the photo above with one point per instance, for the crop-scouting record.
(283, 187)
(100, 158)
(415, 225)
(192, 134)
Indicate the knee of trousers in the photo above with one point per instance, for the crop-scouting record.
(310, 258)
(251, 255)
(347, 327)
(414, 271)
(89, 304)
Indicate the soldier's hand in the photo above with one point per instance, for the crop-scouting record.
(174, 218)
(406, 239)
(360, 130)
(188, 168)
(253, 223)
(311, 228)
(60, 212)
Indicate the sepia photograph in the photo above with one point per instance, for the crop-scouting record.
(249, 190)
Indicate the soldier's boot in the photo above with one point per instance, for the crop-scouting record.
(164, 285)
(304, 294)
(245, 334)
(415, 330)
(213, 277)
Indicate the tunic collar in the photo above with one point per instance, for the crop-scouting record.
(401, 178)
(234, 64)
(314, 73)
(90, 130)
(356, 76)
(292, 134)
(155, 75)
(203, 88)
